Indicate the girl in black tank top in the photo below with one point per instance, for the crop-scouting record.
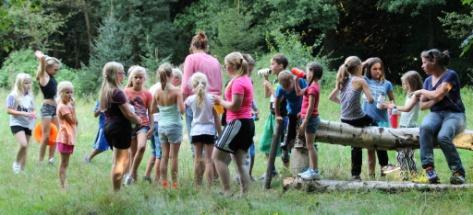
(47, 68)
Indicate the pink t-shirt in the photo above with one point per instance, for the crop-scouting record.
(314, 90)
(202, 62)
(240, 86)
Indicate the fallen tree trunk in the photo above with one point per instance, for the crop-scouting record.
(379, 138)
(387, 186)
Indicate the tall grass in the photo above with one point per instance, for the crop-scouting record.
(36, 190)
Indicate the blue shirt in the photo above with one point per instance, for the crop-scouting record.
(452, 102)
(377, 89)
(294, 102)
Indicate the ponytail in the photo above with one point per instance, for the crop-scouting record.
(342, 76)
(164, 72)
(199, 85)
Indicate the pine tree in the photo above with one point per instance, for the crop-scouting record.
(112, 44)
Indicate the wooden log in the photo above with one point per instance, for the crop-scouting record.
(379, 138)
(272, 155)
(363, 186)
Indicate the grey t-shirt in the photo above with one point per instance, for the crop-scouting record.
(25, 104)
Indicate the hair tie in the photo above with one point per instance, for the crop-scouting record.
(346, 65)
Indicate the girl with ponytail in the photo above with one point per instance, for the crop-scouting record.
(205, 125)
(349, 87)
(168, 100)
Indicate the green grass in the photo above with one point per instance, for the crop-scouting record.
(36, 190)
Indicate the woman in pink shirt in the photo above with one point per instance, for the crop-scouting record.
(200, 61)
(240, 129)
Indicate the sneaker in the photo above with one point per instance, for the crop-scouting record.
(310, 174)
(86, 159)
(16, 167)
(355, 178)
(51, 161)
(457, 178)
(128, 180)
(389, 169)
(147, 179)
(431, 175)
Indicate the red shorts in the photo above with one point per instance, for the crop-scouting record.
(64, 148)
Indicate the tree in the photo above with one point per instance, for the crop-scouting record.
(112, 44)
(459, 26)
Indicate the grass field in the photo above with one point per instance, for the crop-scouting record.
(36, 190)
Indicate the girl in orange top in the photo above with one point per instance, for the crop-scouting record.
(66, 137)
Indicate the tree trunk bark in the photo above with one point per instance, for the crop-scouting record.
(387, 186)
(379, 138)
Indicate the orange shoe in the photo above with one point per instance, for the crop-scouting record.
(165, 184)
(174, 185)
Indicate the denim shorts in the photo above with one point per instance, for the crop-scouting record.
(48, 111)
(140, 129)
(170, 134)
(312, 124)
(155, 143)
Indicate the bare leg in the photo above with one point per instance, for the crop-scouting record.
(63, 169)
(309, 141)
(163, 167)
(52, 148)
(133, 147)
(120, 163)
(198, 167)
(209, 164)
(94, 153)
(22, 140)
(174, 162)
(244, 176)
(219, 158)
(141, 147)
(158, 173)
(149, 166)
(45, 128)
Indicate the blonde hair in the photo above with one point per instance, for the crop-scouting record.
(18, 89)
(132, 72)
(284, 76)
(109, 83)
(61, 87)
(199, 85)
(346, 69)
(413, 79)
(177, 72)
(164, 72)
(49, 61)
(237, 62)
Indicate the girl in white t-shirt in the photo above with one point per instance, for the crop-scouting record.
(20, 106)
(204, 128)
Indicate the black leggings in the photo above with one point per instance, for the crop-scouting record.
(356, 153)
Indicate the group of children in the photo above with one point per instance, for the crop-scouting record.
(293, 104)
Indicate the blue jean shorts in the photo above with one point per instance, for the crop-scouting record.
(48, 111)
(155, 143)
(170, 134)
(312, 124)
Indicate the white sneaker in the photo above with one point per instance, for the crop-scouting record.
(16, 167)
(310, 174)
(51, 161)
(128, 180)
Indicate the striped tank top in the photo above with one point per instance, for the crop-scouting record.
(350, 101)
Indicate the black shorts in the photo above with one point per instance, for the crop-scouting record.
(204, 138)
(237, 135)
(118, 133)
(15, 129)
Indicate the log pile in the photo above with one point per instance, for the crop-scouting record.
(364, 186)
